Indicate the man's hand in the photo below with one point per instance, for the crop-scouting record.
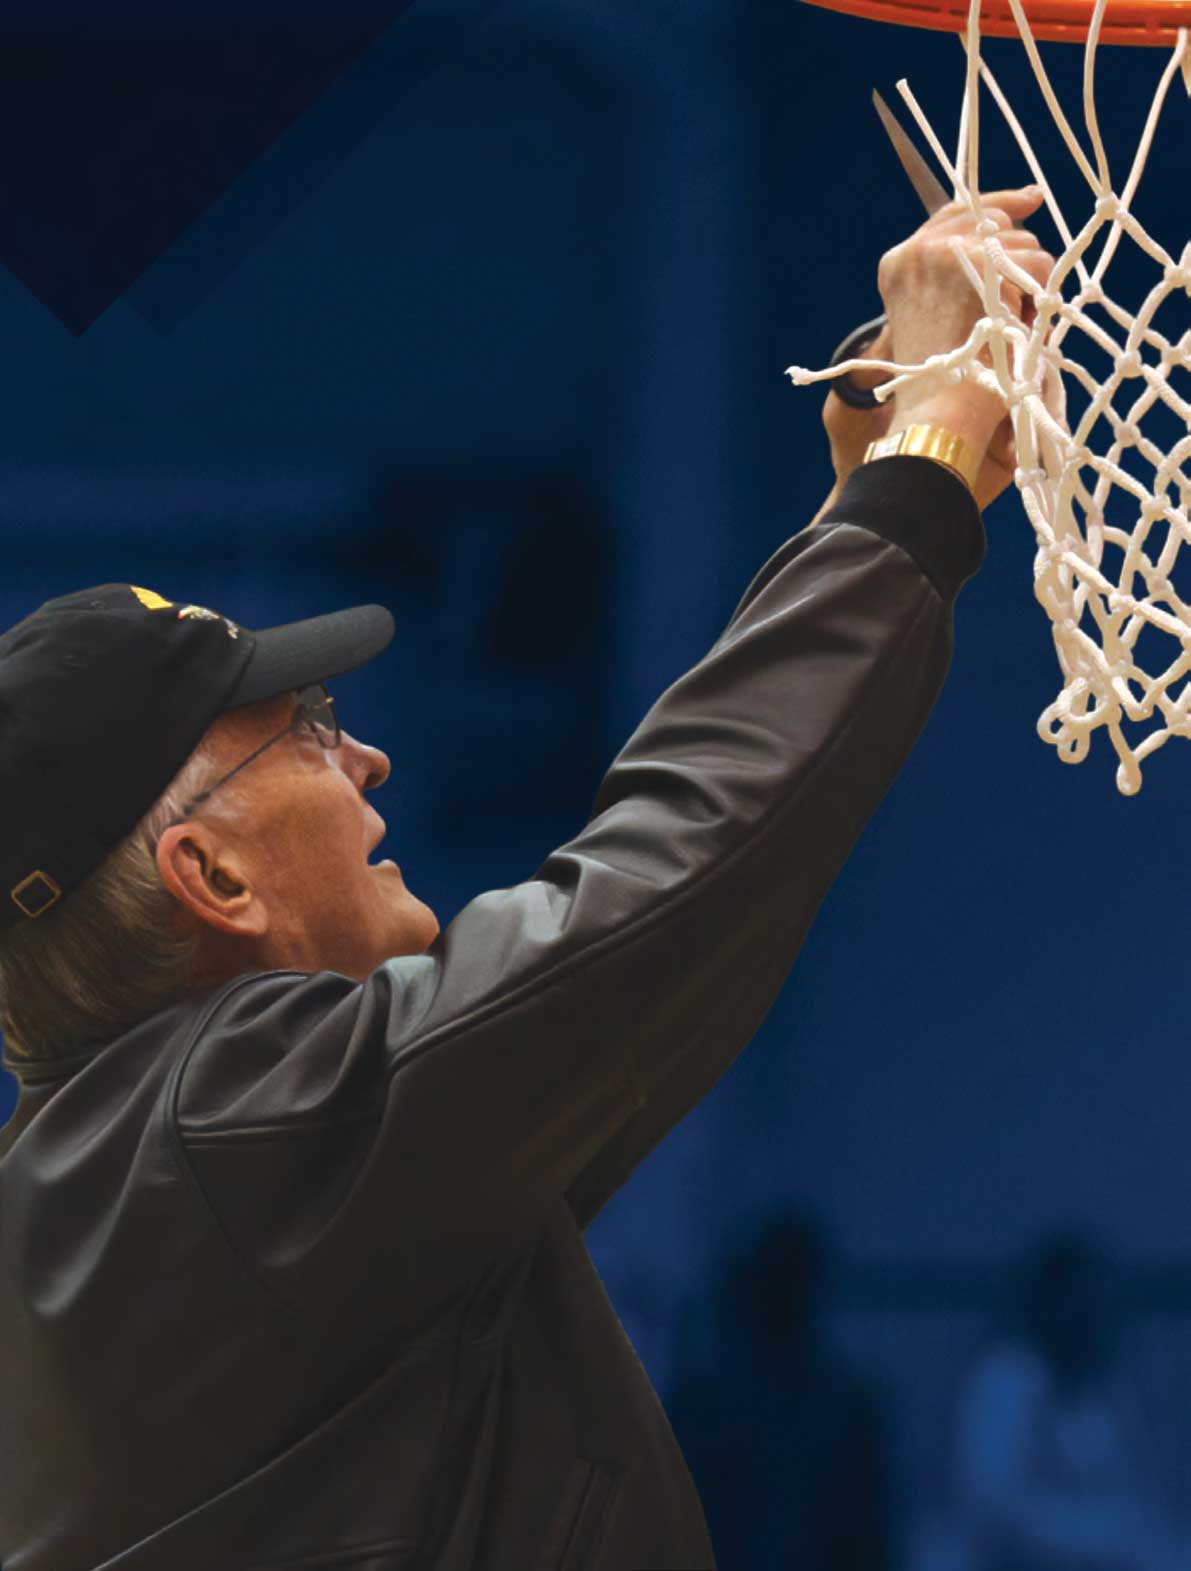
(931, 307)
(851, 430)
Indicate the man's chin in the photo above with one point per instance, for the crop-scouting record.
(418, 926)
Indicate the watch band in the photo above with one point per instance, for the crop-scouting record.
(929, 441)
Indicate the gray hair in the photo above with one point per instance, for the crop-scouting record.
(116, 951)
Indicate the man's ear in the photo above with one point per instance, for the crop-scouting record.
(212, 884)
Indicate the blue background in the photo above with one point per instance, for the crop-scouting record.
(494, 333)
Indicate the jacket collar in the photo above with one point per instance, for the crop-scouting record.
(39, 1080)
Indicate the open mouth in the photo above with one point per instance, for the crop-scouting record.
(387, 861)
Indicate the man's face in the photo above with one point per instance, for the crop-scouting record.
(278, 869)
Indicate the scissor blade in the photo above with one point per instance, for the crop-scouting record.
(921, 178)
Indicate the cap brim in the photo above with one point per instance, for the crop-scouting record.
(299, 653)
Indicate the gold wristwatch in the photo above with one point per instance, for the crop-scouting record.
(929, 441)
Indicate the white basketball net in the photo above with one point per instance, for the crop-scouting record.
(1096, 620)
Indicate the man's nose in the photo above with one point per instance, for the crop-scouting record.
(367, 766)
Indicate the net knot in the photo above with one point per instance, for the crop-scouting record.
(1130, 364)
(1092, 293)
(1050, 552)
(1108, 206)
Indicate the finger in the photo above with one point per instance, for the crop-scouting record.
(1021, 302)
(1039, 265)
(1023, 249)
(961, 218)
(965, 224)
(998, 204)
(1008, 223)
(1017, 197)
(1020, 254)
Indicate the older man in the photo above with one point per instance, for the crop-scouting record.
(291, 1208)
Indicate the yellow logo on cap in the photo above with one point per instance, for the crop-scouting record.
(150, 598)
(204, 615)
(155, 602)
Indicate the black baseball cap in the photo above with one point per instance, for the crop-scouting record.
(105, 693)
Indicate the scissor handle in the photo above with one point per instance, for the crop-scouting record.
(858, 339)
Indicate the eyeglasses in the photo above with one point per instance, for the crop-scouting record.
(315, 713)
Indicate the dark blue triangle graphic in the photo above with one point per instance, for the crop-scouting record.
(116, 145)
(393, 74)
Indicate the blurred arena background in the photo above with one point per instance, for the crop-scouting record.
(493, 332)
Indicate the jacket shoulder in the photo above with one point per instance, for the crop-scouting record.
(283, 1048)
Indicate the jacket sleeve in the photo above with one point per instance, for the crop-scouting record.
(556, 1030)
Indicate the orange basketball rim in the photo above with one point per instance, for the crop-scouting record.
(1154, 22)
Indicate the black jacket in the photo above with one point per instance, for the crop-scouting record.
(292, 1274)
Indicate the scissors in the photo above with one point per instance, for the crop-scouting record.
(933, 197)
